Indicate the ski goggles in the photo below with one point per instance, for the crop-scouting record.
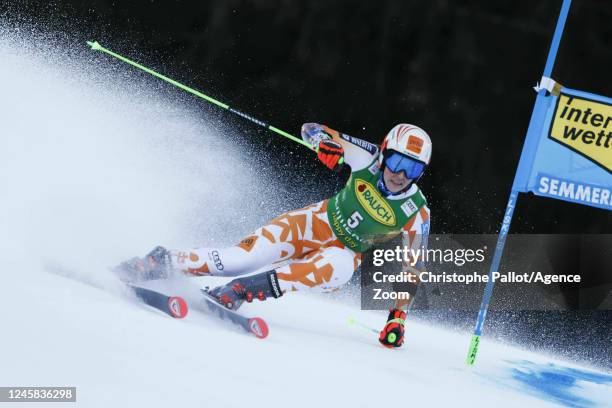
(412, 168)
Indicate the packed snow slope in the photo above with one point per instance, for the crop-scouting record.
(97, 164)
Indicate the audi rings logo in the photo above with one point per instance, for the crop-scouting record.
(217, 260)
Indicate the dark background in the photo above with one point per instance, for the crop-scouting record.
(462, 70)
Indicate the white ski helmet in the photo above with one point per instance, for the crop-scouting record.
(409, 140)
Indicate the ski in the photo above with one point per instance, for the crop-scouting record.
(253, 325)
(174, 306)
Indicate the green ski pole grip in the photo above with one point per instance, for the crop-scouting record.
(471, 357)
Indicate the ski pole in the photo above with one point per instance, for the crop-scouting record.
(538, 110)
(353, 322)
(95, 46)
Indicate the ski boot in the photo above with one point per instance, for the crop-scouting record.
(156, 264)
(260, 286)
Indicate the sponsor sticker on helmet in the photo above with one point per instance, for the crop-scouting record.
(414, 144)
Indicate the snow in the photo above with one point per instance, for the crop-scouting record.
(117, 352)
(95, 167)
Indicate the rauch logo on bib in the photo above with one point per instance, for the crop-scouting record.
(373, 203)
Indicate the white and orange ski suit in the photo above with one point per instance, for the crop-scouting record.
(300, 245)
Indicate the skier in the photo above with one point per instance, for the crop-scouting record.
(319, 246)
